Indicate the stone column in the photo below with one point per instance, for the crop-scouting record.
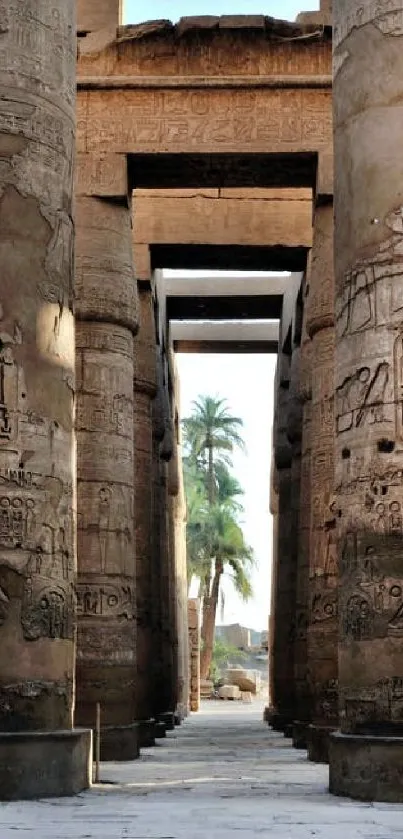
(164, 704)
(144, 391)
(194, 654)
(302, 386)
(178, 505)
(40, 754)
(269, 709)
(107, 319)
(366, 757)
(322, 616)
(281, 714)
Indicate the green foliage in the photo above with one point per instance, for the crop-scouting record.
(215, 541)
(223, 655)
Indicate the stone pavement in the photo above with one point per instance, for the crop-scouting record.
(222, 774)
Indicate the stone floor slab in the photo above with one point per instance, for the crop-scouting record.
(221, 775)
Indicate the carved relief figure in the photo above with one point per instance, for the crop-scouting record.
(361, 398)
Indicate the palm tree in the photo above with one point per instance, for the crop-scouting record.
(212, 434)
(228, 551)
(215, 540)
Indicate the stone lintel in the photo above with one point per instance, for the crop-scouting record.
(103, 176)
(366, 767)
(45, 764)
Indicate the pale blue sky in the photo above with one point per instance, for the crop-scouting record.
(140, 10)
(246, 381)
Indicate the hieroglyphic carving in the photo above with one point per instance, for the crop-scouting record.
(363, 398)
(105, 599)
(253, 120)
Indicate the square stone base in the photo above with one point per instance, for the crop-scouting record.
(44, 764)
(299, 734)
(318, 743)
(160, 730)
(168, 718)
(366, 767)
(146, 733)
(120, 742)
(277, 721)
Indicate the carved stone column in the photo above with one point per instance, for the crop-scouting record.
(107, 319)
(281, 713)
(366, 756)
(164, 702)
(40, 754)
(194, 654)
(303, 383)
(144, 391)
(322, 617)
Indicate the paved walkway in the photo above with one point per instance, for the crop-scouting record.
(221, 775)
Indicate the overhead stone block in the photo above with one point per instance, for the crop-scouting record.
(226, 221)
(93, 15)
(102, 177)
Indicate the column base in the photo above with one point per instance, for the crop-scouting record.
(299, 734)
(120, 742)
(45, 764)
(168, 718)
(288, 730)
(266, 714)
(160, 730)
(277, 721)
(146, 733)
(319, 743)
(366, 767)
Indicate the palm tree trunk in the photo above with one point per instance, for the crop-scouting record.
(211, 484)
(208, 624)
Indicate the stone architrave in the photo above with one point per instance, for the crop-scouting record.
(107, 319)
(366, 756)
(322, 633)
(145, 384)
(194, 654)
(41, 754)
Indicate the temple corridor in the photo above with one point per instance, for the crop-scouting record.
(222, 773)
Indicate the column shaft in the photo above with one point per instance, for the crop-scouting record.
(322, 617)
(144, 391)
(37, 501)
(368, 124)
(105, 476)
